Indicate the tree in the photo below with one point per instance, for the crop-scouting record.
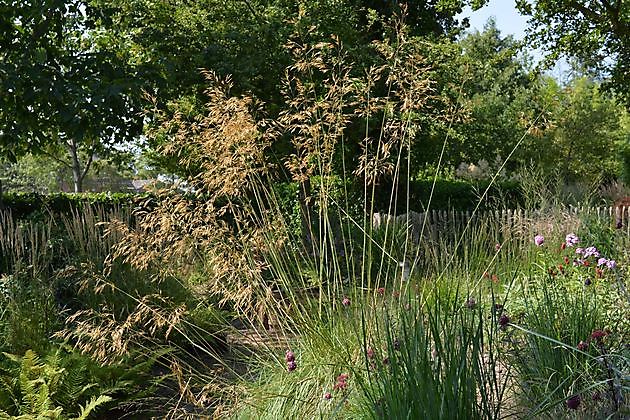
(596, 32)
(497, 83)
(173, 39)
(67, 89)
(427, 18)
(39, 174)
(589, 134)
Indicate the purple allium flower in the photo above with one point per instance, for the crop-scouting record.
(341, 382)
(598, 335)
(591, 251)
(370, 353)
(345, 301)
(380, 291)
(504, 320)
(289, 356)
(582, 346)
(587, 282)
(579, 251)
(571, 239)
(602, 261)
(327, 396)
(396, 344)
(612, 264)
(539, 240)
(471, 303)
(291, 366)
(574, 402)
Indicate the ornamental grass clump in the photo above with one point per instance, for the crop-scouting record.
(557, 343)
(441, 361)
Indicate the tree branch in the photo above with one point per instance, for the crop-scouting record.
(88, 163)
(591, 14)
(251, 9)
(612, 16)
(55, 158)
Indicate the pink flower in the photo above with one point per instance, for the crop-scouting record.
(571, 239)
(345, 301)
(289, 356)
(582, 346)
(396, 344)
(341, 382)
(380, 291)
(574, 402)
(612, 264)
(291, 366)
(497, 247)
(504, 320)
(327, 396)
(598, 335)
(602, 261)
(370, 353)
(579, 251)
(591, 250)
(539, 240)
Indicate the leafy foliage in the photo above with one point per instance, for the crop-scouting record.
(67, 89)
(56, 387)
(595, 32)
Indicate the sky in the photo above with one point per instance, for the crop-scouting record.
(509, 22)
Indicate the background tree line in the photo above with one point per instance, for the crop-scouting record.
(84, 82)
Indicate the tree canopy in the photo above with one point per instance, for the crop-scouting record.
(595, 32)
(67, 88)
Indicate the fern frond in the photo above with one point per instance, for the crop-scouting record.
(92, 405)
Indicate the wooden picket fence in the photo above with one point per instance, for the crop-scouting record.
(516, 220)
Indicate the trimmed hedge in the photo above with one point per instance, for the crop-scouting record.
(458, 195)
(24, 205)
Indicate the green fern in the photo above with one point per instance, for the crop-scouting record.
(91, 405)
(49, 388)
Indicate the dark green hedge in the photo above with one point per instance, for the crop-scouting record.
(458, 195)
(24, 205)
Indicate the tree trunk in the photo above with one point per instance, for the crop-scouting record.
(1, 202)
(77, 173)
